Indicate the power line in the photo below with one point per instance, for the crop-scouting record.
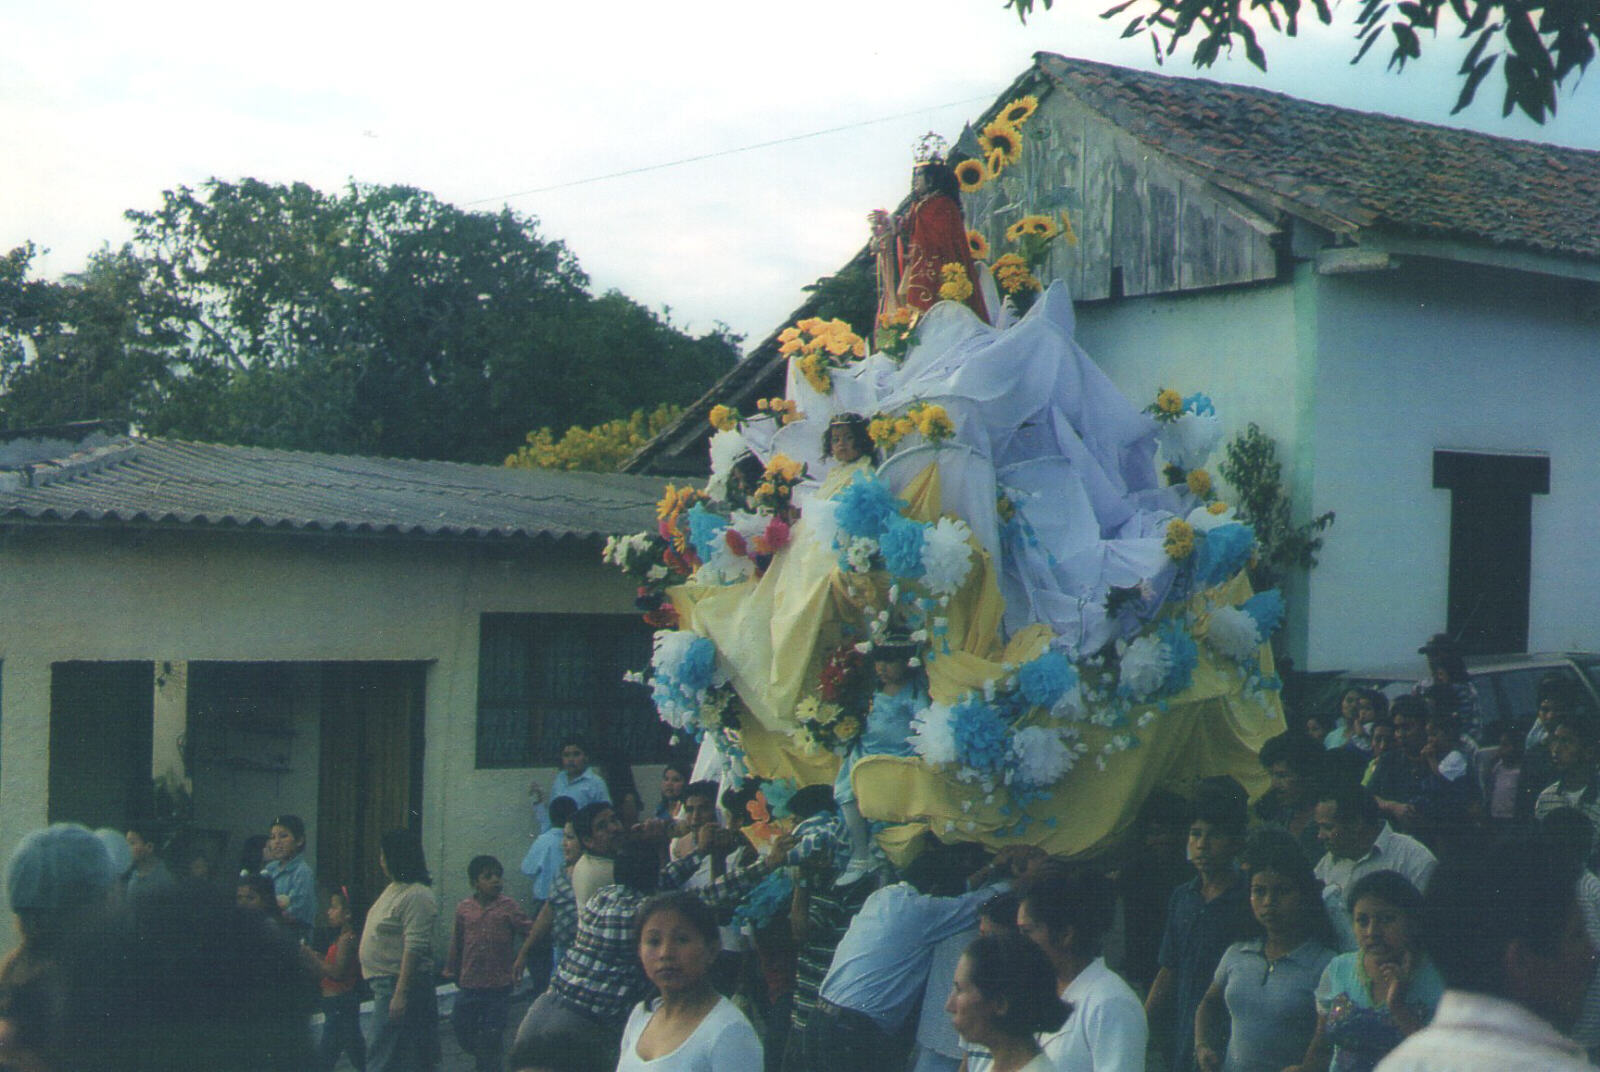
(726, 152)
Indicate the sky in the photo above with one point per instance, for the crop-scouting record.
(783, 123)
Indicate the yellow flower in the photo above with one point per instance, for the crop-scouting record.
(1020, 110)
(724, 418)
(1169, 401)
(1179, 541)
(1010, 260)
(766, 490)
(1199, 482)
(978, 244)
(1068, 235)
(814, 367)
(1218, 507)
(788, 334)
(808, 709)
(847, 728)
(956, 285)
(785, 468)
(1001, 144)
(881, 430)
(971, 174)
(668, 504)
(810, 325)
(933, 422)
(903, 426)
(1043, 226)
(1015, 280)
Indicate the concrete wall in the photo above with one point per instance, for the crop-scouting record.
(1440, 355)
(72, 593)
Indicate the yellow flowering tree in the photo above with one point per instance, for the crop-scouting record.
(600, 449)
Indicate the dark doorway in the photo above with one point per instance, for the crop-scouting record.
(1491, 545)
(371, 768)
(100, 737)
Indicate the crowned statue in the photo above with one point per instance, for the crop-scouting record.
(923, 256)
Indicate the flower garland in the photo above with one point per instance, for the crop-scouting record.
(929, 419)
(818, 346)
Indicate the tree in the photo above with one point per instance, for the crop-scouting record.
(1250, 464)
(601, 449)
(1542, 42)
(375, 320)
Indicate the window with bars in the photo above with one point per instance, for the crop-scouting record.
(544, 676)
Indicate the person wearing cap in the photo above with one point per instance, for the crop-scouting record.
(291, 876)
(899, 696)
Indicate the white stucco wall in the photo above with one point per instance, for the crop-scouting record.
(77, 594)
(1440, 355)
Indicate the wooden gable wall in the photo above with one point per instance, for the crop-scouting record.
(1138, 214)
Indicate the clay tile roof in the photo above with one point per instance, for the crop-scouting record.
(131, 480)
(1367, 169)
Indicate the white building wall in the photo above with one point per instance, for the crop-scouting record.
(78, 594)
(1440, 355)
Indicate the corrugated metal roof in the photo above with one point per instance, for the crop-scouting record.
(138, 481)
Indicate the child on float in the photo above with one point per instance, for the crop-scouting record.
(901, 692)
(847, 443)
(340, 972)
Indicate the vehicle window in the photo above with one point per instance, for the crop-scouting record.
(1591, 667)
(1521, 688)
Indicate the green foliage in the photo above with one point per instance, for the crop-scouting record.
(851, 295)
(1541, 43)
(374, 320)
(601, 449)
(1251, 466)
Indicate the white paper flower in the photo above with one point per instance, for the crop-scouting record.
(1189, 440)
(1144, 667)
(726, 447)
(933, 736)
(1038, 757)
(1070, 705)
(821, 523)
(1233, 634)
(946, 556)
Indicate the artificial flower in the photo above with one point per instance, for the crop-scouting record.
(1038, 758)
(901, 547)
(1038, 226)
(1188, 439)
(866, 506)
(1179, 540)
(933, 735)
(1145, 666)
(978, 244)
(1267, 610)
(932, 421)
(1169, 401)
(946, 556)
(956, 285)
(847, 728)
(1068, 235)
(1199, 482)
(1233, 633)
(1043, 680)
(971, 174)
(1001, 144)
(859, 553)
(1222, 552)
(1182, 654)
(1020, 110)
(981, 736)
(724, 418)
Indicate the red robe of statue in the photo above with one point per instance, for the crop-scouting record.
(934, 235)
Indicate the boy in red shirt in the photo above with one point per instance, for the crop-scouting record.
(489, 929)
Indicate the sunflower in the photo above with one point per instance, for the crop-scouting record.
(979, 245)
(971, 174)
(1019, 111)
(1179, 541)
(1001, 144)
(1042, 226)
(956, 285)
(1169, 401)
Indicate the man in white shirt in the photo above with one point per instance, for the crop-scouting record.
(1066, 912)
(1507, 934)
(1351, 827)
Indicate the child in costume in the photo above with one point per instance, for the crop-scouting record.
(900, 694)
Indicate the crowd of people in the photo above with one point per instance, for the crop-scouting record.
(1414, 892)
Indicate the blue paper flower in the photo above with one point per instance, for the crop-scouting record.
(1199, 405)
(779, 792)
(866, 507)
(981, 735)
(1221, 553)
(705, 529)
(1044, 680)
(1181, 647)
(901, 547)
(762, 904)
(699, 662)
(1267, 609)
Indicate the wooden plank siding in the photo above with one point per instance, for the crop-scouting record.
(1146, 223)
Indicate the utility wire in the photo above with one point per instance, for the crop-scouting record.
(726, 152)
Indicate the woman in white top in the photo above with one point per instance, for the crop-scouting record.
(1004, 994)
(690, 1028)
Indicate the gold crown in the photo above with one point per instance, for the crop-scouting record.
(931, 149)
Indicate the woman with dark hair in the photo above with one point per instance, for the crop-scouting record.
(691, 1027)
(1260, 1014)
(674, 777)
(1004, 994)
(397, 960)
(1371, 999)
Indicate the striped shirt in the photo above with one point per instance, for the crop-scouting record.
(829, 911)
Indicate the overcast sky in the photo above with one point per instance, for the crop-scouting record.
(104, 105)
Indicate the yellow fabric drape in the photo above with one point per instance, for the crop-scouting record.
(773, 633)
